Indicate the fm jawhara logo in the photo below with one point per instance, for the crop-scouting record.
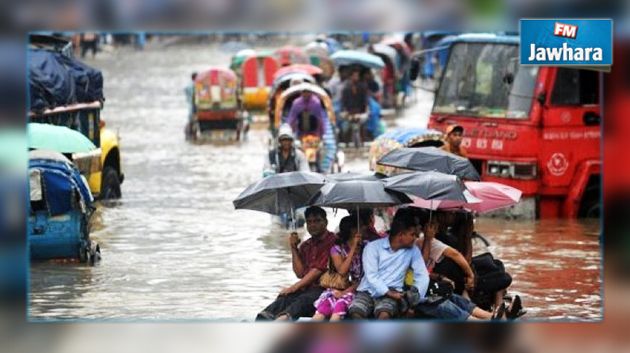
(563, 42)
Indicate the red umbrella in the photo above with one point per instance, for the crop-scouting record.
(491, 196)
(303, 68)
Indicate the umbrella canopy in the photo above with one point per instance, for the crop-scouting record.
(445, 205)
(481, 197)
(349, 57)
(461, 166)
(398, 44)
(333, 45)
(351, 176)
(290, 54)
(57, 138)
(280, 193)
(385, 50)
(303, 68)
(240, 56)
(428, 159)
(428, 185)
(493, 196)
(357, 194)
(316, 48)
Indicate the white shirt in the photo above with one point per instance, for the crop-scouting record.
(436, 254)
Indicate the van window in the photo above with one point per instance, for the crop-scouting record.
(575, 87)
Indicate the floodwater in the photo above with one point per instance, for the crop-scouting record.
(173, 248)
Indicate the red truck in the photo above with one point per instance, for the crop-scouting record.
(533, 128)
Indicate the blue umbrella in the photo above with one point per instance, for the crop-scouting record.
(57, 138)
(349, 57)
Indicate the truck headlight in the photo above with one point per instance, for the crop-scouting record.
(516, 170)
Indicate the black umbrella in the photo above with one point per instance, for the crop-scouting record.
(356, 195)
(280, 193)
(353, 176)
(430, 159)
(428, 185)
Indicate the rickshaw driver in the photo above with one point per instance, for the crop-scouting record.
(285, 158)
(307, 117)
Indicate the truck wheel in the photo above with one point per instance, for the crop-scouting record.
(110, 184)
(591, 206)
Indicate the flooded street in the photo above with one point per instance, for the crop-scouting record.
(174, 247)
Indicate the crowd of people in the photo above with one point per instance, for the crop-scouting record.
(354, 92)
(421, 268)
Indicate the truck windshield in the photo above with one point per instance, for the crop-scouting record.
(485, 80)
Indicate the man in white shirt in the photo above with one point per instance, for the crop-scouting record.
(456, 307)
(434, 251)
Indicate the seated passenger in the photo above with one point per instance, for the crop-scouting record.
(309, 262)
(492, 280)
(345, 258)
(440, 302)
(385, 262)
(366, 219)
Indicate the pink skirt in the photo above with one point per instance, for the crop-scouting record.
(328, 305)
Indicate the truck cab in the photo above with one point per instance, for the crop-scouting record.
(533, 128)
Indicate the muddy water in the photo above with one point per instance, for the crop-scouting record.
(174, 248)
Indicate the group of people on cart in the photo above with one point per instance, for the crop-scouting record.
(419, 268)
